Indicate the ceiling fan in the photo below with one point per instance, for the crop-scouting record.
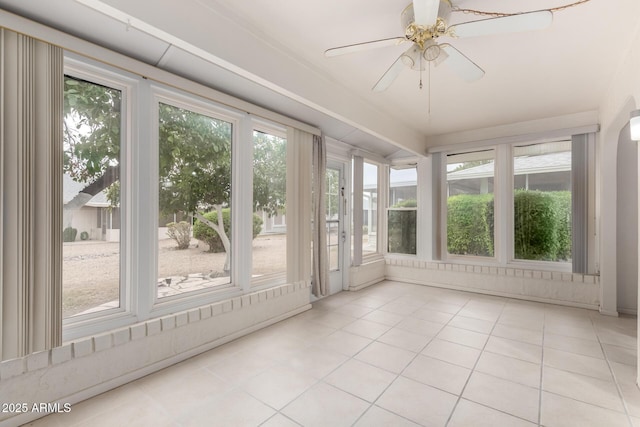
(425, 21)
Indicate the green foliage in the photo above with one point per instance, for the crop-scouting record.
(470, 224)
(408, 203)
(269, 173)
(180, 232)
(69, 234)
(542, 225)
(203, 232)
(195, 160)
(402, 231)
(91, 138)
(84, 236)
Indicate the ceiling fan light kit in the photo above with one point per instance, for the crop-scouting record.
(424, 22)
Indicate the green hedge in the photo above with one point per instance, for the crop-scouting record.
(470, 224)
(202, 231)
(542, 225)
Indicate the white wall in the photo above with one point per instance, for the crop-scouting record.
(621, 98)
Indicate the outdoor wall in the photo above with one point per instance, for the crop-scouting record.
(569, 289)
(87, 367)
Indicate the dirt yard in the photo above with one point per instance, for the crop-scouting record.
(91, 268)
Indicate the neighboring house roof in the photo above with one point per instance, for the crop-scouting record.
(524, 165)
(71, 188)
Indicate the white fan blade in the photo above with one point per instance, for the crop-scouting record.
(505, 24)
(390, 75)
(358, 47)
(425, 12)
(461, 65)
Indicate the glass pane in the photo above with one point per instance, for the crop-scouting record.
(470, 225)
(402, 231)
(370, 209)
(402, 215)
(195, 186)
(91, 191)
(542, 202)
(333, 217)
(269, 249)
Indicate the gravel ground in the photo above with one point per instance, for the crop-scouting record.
(91, 268)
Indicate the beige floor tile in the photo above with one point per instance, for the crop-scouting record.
(419, 403)
(378, 417)
(316, 361)
(624, 355)
(577, 363)
(518, 334)
(509, 368)
(419, 326)
(333, 320)
(618, 338)
(517, 349)
(278, 386)
(241, 367)
(433, 315)
(370, 302)
(385, 356)
(573, 345)
(344, 343)
(476, 325)
(361, 379)
(279, 420)
(384, 317)
(438, 374)
(236, 408)
(453, 353)
(443, 306)
(366, 328)
(463, 336)
(353, 310)
(324, 405)
(404, 339)
(584, 331)
(506, 396)
(559, 411)
(401, 307)
(580, 387)
(488, 314)
(469, 414)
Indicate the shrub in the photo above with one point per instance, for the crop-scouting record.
(402, 228)
(402, 232)
(535, 226)
(203, 232)
(470, 224)
(69, 234)
(84, 236)
(180, 232)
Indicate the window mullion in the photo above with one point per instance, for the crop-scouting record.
(503, 205)
(242, 202)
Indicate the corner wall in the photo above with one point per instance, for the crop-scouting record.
(85, 368)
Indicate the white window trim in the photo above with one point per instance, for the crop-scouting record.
(503, 210)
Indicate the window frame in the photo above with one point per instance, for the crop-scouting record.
(503, 191)
(93, 72)
(404, 165)
(139, 198)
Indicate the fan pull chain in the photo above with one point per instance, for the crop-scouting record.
(420, 68)
(429, 89)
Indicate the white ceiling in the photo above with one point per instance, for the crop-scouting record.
(270, 52)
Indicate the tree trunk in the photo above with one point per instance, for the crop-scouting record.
(110, 175)
(219, 228)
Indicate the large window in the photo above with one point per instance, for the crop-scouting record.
(542, 202)
(269, 248)
(470, 203)
(194, 248)
(91, 191)
(402, 212)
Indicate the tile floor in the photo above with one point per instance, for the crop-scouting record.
(396, 355)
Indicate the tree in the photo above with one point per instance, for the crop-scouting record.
(269, 173)
(194, 157)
